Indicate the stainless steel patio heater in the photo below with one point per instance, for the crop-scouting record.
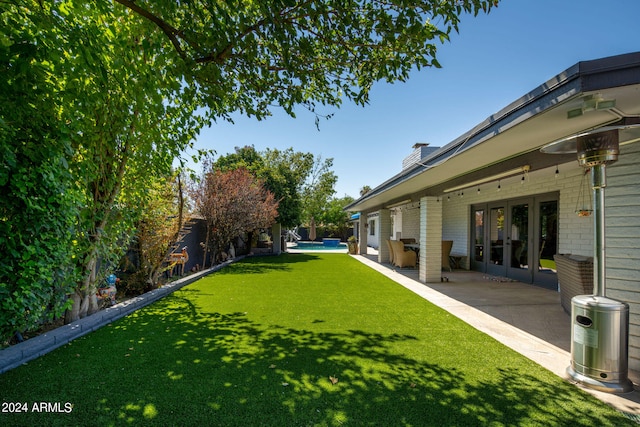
(600, 325)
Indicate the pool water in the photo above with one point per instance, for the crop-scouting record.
(317, 246)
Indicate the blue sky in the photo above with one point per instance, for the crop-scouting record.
(494, 60)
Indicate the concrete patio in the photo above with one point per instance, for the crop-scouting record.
(526, 318)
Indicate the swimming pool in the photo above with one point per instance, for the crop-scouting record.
(317, 246)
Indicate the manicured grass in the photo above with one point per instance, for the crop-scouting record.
(257, 344)
(548, 264)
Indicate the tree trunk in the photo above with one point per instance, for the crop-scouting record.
(84, 299)
(104, 190)
(83, 305)
(71, 315)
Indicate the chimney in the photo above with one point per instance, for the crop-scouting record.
(420, 151)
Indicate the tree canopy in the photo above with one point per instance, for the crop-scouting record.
(335, 219)
(318, 189)
(302, 183)
(283, 172)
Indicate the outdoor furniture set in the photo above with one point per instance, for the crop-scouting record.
(404, 253)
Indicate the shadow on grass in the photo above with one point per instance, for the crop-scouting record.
(266, 264)
(173, 364)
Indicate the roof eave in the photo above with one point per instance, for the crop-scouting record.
(583, 77)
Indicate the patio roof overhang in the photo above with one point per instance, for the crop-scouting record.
(575, 100)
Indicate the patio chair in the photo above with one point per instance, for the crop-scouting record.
(402, 257)
(446, 251)
(390, 251)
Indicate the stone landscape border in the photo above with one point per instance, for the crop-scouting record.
(21, 353)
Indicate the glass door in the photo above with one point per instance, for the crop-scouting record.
(517, 239)
(547, 239)
(478, 262)
(495, 263)
(518, 253)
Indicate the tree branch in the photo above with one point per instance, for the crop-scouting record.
(172, 33)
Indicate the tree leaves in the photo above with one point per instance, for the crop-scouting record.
(250, 56)
(233, 202)
(284, 173)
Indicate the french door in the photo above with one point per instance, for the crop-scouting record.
(516, 239)
(509, 243)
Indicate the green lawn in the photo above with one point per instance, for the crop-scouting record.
(258, 343)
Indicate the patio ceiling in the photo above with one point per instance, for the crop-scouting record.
(513, 137)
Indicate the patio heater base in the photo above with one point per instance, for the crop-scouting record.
(609, 387)
(599, 343)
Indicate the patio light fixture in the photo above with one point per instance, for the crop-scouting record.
(591, 103)
(496, 177)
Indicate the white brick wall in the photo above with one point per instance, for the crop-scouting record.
(430, 239)
(406, 221)
(396, 219)
(411, 222)
(575, 234)
(384, 221)
(456, 217)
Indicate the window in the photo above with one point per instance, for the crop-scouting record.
(372, 227)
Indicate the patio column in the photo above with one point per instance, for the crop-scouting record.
(362, 233)
(430, 240)
(276, 231)
(385, 233)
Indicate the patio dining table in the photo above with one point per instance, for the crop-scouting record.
(414, 247)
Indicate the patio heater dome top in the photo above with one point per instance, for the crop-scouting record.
(628, 130)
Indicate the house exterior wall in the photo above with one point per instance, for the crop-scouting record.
(455, 223)
(373, 230)
(622, 218)
(406, 221)
(396, 219)
(384, 233)
(575, 234)
(411, 222)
